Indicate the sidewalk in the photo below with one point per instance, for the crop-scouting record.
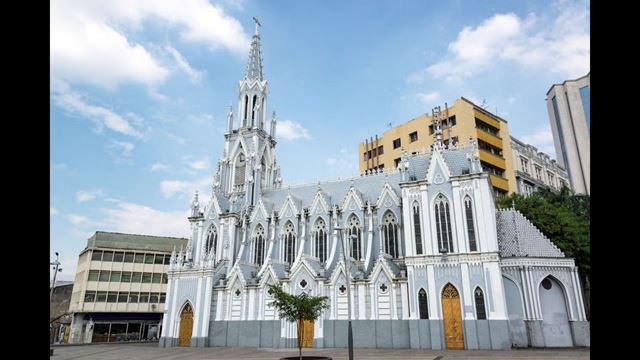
(142, 351)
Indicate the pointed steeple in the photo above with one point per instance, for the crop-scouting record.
(254, 65)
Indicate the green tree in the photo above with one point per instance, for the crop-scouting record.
(565, 218)
(298, 308)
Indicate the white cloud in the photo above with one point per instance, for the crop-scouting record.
(344, 163)
(82, 221)
(428, 98)
(542, 139)
(159, 167)
(141, 219)
(201, 164)
(89, 42)
(53, 211)
(291, 130)
(82, 195)
(562, 47)
(102, 117)
(124, 147)
(185, 189)
(183, 64)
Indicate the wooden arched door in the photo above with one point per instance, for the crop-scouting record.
(452, 318)
(186, 326)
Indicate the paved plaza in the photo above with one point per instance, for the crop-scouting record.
(152, 351)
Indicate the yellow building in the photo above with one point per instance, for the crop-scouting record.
(466, 120)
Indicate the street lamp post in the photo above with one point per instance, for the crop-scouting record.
(57, 268)
(344, 254)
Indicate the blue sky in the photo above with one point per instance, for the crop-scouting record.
(140, 90)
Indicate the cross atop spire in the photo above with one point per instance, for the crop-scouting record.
(254, 65)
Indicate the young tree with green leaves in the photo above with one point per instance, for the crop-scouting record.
(298, 308)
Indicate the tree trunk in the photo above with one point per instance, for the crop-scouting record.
(300, 337)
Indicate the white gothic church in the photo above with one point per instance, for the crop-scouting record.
(431, 262)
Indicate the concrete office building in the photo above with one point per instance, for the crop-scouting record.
(535, 169)
(569, 110)
(120, 287)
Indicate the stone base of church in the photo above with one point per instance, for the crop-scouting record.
(534, 332)
(252, 333)
(168, 342)
(581, 332)
(200, 342)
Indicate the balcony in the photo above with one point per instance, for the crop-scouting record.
(489, 138)
(495, 160)
(499, 182)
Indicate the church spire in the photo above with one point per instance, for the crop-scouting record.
(254, 65)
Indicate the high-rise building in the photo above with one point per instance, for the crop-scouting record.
(570, 116)
(120, 287)
(466, 120)
(535, 169)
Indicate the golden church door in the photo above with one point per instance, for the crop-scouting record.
(186, 326)
(452, 318)
(307, 336)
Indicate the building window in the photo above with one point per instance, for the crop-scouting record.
(289, 243)
(118, 256)
(396, 143)
(238, 180)
(525, 164)
(107, 256)
(487, 128)
(443, 224)
(148, 258)
(133, 298)
(136, 278)
(552, 182)
(144, 297)
(157, 278)
(122, 297)
(128, 257)
(126, 277)
(365, 156)
(90, 296)
(164, 278)
(146, 278)
(451, 121)
(380, 150)
(104, 275)
(93, 275)
(471, 231)
(480, 310)
(390, 234)
(538, 172)
(416, 228)
(139, 258)
(212, 240)
(154, 297)
(430, 129)
(396, 162)
(115, 276)
(112, 297)
(423, 305)
(101, 296)
(97, 256)
(585, 95)
(413, 136)
(320, 236)
(163, 298)
(159, 259)
(167, 259)
(258, 246)
(353, 228)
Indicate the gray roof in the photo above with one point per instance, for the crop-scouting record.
(112, 240)
(518, 237)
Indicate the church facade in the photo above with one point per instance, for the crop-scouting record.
(431, 262)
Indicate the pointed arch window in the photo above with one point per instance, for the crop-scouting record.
(258, 246)
(212, 240)
(481, 313)
(239, 172)
(263, 174)
(471, 230)
(443, 224)
(320, 240)
(417, 230)
(423, 305)
(353, 228)
(246, 105)
(289, 243)
(390, 234)
(253, 108)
